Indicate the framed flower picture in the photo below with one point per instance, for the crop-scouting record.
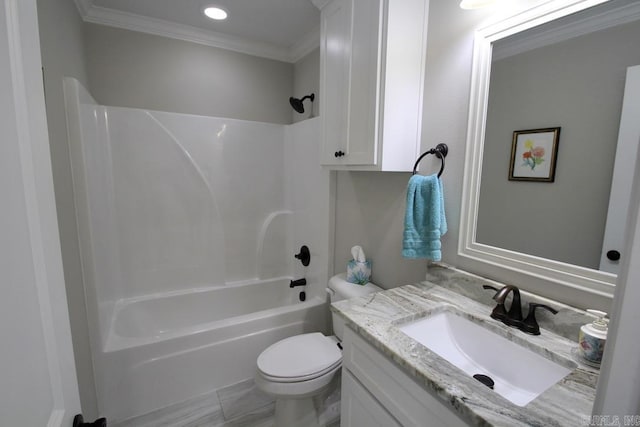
(533, 155)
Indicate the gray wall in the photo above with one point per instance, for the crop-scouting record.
(132, 69)
(306, 80)
(370, 213)
(62, 51)
(578, 85)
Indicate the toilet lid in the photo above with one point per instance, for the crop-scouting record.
(300, 356)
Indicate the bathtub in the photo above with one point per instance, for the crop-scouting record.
(160, 220)
(168, 348)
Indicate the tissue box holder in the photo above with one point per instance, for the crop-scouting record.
(358, 272)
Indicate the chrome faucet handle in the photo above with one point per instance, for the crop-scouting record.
(499, 312)
(530, 324)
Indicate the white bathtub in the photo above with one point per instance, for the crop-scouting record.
(169, 348)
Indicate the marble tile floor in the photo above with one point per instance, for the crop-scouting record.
(238, 405)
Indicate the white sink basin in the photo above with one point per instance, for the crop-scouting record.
(519, 374)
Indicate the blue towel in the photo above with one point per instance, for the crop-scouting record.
(424, 220)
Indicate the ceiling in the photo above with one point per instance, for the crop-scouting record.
(285, 30)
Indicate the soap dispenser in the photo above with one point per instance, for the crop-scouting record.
(592, 338)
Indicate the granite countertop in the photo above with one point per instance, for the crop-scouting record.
(376, 318)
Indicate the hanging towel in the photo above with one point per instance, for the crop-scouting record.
(424, 219)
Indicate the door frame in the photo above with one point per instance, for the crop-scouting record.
(625, 164)
(35, 181)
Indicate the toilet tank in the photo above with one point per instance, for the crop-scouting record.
(340, 289)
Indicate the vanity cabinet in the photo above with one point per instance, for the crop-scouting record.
(375, 392)
(360, 408)
(372, 60)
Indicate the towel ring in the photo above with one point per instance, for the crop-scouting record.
(440, 152)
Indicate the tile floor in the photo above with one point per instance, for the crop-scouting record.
(238, 405)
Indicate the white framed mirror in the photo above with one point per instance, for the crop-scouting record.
(550, 22)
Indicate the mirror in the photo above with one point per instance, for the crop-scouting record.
(527, 76)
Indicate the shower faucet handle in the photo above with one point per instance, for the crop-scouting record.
(299, 282)
(304, 255)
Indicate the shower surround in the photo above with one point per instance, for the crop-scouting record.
(188, 226)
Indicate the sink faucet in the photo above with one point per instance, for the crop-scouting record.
(514, 316)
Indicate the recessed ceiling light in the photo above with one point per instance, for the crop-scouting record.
(216, 13)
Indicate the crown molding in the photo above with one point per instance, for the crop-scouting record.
(144, 24)
(307, 44)
(603, 20)
(159, 27)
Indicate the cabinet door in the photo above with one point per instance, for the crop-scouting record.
(359, 408)
(404, 399)
(364, 82)
(351, 63)
(335, 55)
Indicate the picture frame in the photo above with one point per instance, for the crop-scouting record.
(533, 154)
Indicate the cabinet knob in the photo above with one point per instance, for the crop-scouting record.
(613, 255)
(339, 153)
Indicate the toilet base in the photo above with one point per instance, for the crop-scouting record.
(296, 412)
(310, 411)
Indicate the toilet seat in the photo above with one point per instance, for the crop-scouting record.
(300, 358)
(301, 379)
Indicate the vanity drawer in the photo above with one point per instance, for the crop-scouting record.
(403, 397)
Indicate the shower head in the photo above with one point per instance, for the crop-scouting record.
(297, 103)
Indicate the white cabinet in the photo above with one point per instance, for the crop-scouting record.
(372, 55)
(374, 388)
(359, 408)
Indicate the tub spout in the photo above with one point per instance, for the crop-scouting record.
(299, 282)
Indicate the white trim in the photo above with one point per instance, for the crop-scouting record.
(26, 140)
(83, 6)
(159, 27)
(578, 278)
(37, 186)
(320, 4)
(305, 45)
(56, 419)
(604, 19)
(624, 166)
(618, 390)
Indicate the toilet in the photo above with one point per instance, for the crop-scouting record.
(297, 369)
